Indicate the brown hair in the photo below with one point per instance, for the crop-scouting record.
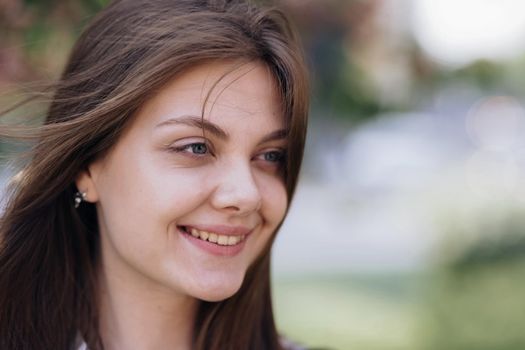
(49, 249)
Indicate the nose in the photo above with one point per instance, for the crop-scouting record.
(237, 191)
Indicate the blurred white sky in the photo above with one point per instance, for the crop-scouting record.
(457, 32)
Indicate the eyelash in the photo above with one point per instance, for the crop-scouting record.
(189, 149)
(279, 155)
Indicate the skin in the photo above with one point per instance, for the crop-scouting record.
(166, 171)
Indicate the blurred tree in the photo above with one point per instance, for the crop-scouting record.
(36, 35)
(330, 30)
(362, 57)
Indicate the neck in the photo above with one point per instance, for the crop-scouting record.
(141, 317)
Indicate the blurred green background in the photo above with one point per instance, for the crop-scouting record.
(408, 229)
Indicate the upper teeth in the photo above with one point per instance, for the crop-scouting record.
(216, 238)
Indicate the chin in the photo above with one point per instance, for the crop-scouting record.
(219, 289)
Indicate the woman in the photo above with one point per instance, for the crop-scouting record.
(168, 159)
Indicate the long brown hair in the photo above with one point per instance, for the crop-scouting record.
(49, 250)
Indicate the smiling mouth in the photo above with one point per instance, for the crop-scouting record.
(212, 237)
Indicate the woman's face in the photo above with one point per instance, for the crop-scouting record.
(186, 204)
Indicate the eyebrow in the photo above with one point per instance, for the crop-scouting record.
(197, 122)
(201, 123)
(280, 134)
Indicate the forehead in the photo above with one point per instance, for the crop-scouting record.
(219, 91)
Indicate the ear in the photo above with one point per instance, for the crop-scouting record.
(85, 184)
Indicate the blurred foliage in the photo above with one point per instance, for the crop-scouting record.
(478, 308)
(348, 311)
(339, 84)
(38, 34)
(357, 72)
(476, 299)
(330, 32)
(36, 37)
(484, 75)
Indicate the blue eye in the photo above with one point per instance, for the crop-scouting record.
(198, 148)
(194, 149)
(274, 156)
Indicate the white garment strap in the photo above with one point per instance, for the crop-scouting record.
(82, 346)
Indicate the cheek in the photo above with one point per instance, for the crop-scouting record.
(176, 192)
(275, 202)
(144, 195)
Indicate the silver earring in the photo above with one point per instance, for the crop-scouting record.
(79, 198)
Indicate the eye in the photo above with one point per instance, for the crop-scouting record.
(197, 148)
(274, 157)
(194, 149)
